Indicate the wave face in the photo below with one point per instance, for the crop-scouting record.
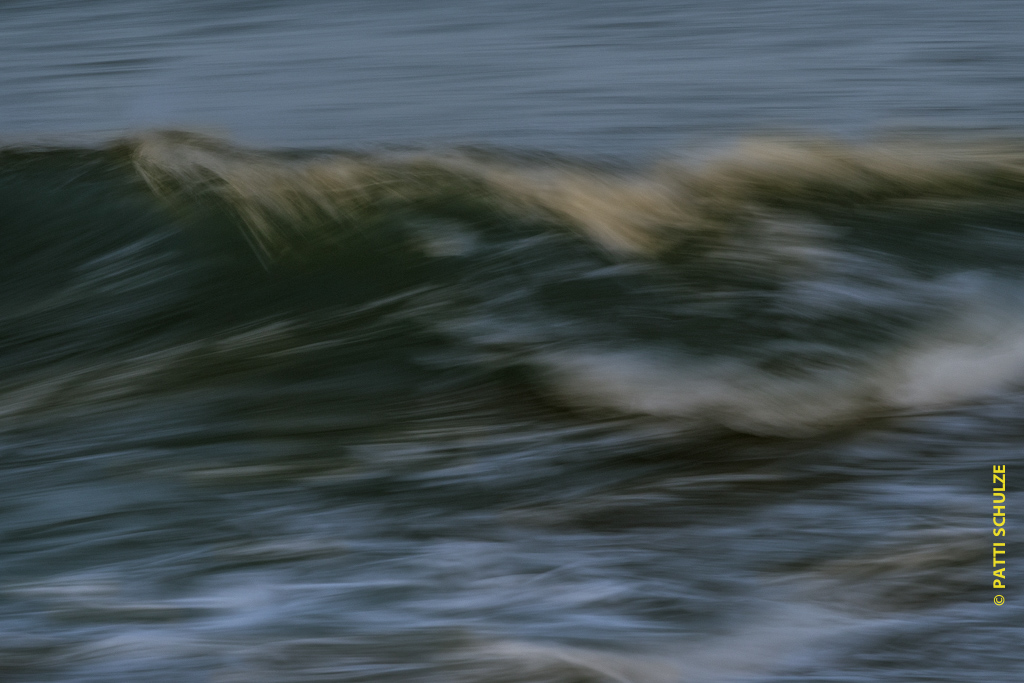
(482, 415)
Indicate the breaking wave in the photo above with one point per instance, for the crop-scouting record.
(782, 287)
(470, 415)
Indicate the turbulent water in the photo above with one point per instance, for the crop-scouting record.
(478, 416)
(560, 406)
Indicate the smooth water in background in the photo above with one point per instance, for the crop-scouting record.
(587, 77)
(513, 342)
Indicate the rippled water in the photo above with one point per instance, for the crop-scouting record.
(591, 78)
(567, 374)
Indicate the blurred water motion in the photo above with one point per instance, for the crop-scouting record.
(567, 373)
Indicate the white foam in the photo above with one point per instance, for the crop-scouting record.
(982, 354)
(974, 354)
(727, 392)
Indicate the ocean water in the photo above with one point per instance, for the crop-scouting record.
(510, 342)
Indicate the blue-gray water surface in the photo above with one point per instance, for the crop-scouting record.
(591, 78)
(511, 342)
